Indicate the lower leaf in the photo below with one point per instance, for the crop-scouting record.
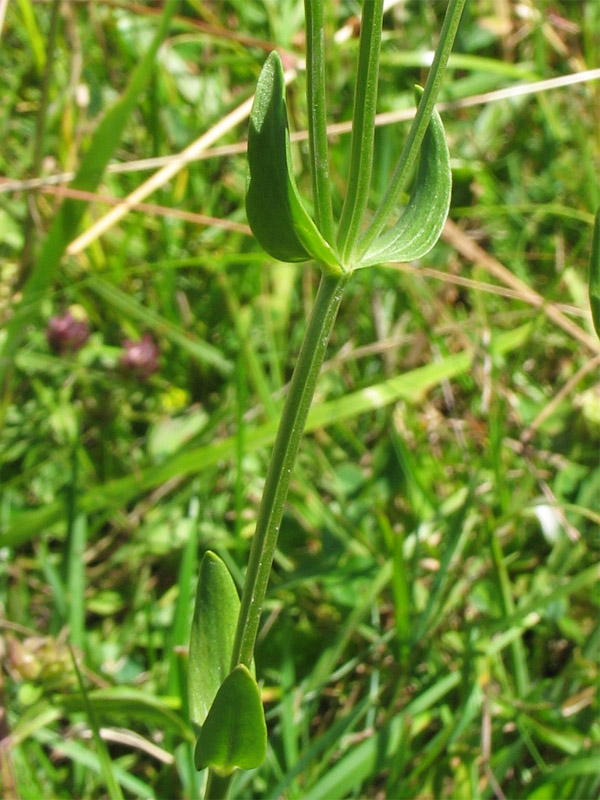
(234, 734)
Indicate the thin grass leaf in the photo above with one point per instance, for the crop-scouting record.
(104, 142)
(34, 719)
(127, 703)
(317, 751)
(505, 591)
(79, 754)
(400, 584)
(547, 789)
(373, 754)
(75, 581)
(106, 765)
(330, 657)
(571, 742)
(181, 616)
(455, 541)
(594, 284)
(34, 35)
(412, 387)
(197, 349)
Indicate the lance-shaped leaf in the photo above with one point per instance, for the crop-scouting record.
(234, 733)
(274, 208)
(421, 224)
(211, 639)
(595, 274)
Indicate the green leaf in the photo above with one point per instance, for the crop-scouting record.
(595, 274)
(235, 731)
(211, 639)
(201, 351)
(410, 386)
(274, 208)
(120, 704)
(421, 224)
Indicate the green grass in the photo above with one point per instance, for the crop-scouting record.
(431, 628)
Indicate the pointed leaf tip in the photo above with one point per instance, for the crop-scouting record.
(234, 734)
(422, 221)
(274, 208)
(212, 635)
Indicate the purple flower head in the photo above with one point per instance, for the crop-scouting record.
(66, 334)
(140, 358)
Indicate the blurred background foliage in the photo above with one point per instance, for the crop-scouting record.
(432, 626)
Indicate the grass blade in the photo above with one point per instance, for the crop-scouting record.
(595, 274)
(411, 386)
(104, 142)
(198, 350)
(106, 764)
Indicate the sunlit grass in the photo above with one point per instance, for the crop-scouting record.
(456, 497)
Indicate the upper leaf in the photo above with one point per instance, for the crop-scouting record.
(422, 221)
(211, 639)
(275, 211)
(235, 733)
(595, 274)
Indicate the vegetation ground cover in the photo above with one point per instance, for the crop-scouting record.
(432, 625)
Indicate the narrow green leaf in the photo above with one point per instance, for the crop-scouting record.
(197, 349)
(106, 765)
(211, 639)
(421, 224)
(586, 765)
(35, 38)
(375, 753)
(104, 142)
(235, 732)
(274, 208)
(80, 755)
(595, 274)
(124, 704)
(411, 386)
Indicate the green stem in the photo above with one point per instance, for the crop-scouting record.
(317, 117)
(217, 786)
(285, 449)
(418, 127)
(363, 130)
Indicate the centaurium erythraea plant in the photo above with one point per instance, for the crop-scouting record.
(224, 697)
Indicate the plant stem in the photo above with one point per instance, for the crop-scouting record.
(418, 128)
(363, 129)
(317, 117)
(285, 449)
(217, 786)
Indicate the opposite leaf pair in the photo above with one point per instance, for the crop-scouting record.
(225, 703)
(277, 215)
